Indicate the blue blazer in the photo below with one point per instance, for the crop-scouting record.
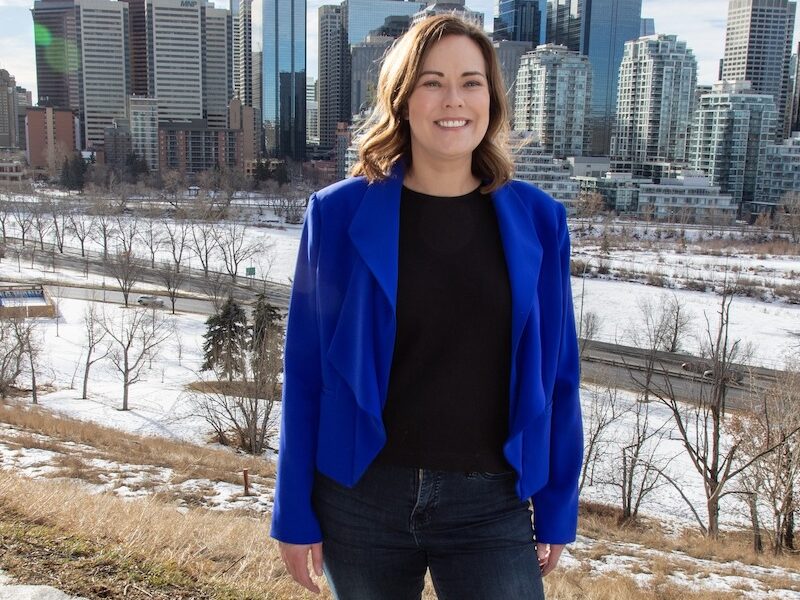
(340, 337)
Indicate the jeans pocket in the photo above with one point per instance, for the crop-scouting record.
(497, 476)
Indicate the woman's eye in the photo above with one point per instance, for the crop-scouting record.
(431, 83)
(473, 84)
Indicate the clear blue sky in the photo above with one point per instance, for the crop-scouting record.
(700, 22)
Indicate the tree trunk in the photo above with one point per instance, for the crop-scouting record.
(758, 544)
(86, 376)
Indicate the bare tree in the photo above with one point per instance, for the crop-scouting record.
(218, 289)
(12, 356)
(700, 426)
(789, 214)
(95, 334)
(153, 237)
(172, 280)
(637, 470)
(135, 337)
(240, 411)
(604, 409)
(5, 216)
(126, 232)
(126, 269)
(203, 243)
(28, 343)
(41, 222)
(82, 226)
(60, 217)
(235, 248)
(177, 237)
(104, 230)
(23, 219)
(773, 418)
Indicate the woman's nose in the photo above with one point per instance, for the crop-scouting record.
(453, 97)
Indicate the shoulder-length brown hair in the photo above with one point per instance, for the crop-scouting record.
(386, 137)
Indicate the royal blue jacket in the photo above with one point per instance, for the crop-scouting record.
(340, 337)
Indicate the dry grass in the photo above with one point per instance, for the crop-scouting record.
(188, 461)
(101, 546)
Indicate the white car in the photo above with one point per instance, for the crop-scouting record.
(153, 301)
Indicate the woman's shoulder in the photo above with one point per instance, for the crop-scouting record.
(352, 187)
(539, 202)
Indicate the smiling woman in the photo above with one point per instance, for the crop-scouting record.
(430, 399)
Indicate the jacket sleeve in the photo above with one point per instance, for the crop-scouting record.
(556, 504)
(293, 518)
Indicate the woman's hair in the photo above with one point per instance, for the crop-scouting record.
(386, 136)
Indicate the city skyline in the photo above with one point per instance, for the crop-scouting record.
(700, 23)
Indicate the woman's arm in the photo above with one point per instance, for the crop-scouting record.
(556, 504)
(293, 519)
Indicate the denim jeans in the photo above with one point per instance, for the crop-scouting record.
(470, 529)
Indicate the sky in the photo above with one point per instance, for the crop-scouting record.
(701, 23)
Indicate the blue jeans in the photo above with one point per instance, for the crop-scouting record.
(470, 529)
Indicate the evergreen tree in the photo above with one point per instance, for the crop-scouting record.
(267, 338)
(226, 340)
(73, 172)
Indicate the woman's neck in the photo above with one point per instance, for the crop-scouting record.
(448, 181)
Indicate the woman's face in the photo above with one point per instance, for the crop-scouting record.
(448, 111)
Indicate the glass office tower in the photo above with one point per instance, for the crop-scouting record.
(521, 21)
(283, 81)
(598, 29)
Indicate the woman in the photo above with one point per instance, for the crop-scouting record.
(431, 373)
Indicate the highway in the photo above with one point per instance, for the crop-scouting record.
(601, 361)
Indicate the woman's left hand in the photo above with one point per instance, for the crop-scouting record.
(548, 556)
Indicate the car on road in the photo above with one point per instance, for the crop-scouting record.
(152, 301)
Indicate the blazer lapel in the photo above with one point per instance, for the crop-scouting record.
(375, 231)
(523, 257)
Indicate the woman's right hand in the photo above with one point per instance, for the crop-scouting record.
(295, 557)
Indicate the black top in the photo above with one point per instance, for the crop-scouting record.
(447, 404)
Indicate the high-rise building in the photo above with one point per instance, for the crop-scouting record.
(363, 16)
(52, 136)
(552, 98)
(758, 46)
(244, 51)
(137, 18)
(243, 118)
(334, 74)
(731, 129)
(779, 176)
(103, 40)
(175, 58)
(648, 27)
(794, 89)
(365, 66)
(509, 54)
(57, 54)
(598, 29)
(217, 66)
(521, 21)
(83, 61)
(283, 84)
(9, 122)
(143, 119)
(24, 100)
(188, 45)
(312, 113)
(456, 7)
(192, 147)
(117, 144)
(655, 99)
